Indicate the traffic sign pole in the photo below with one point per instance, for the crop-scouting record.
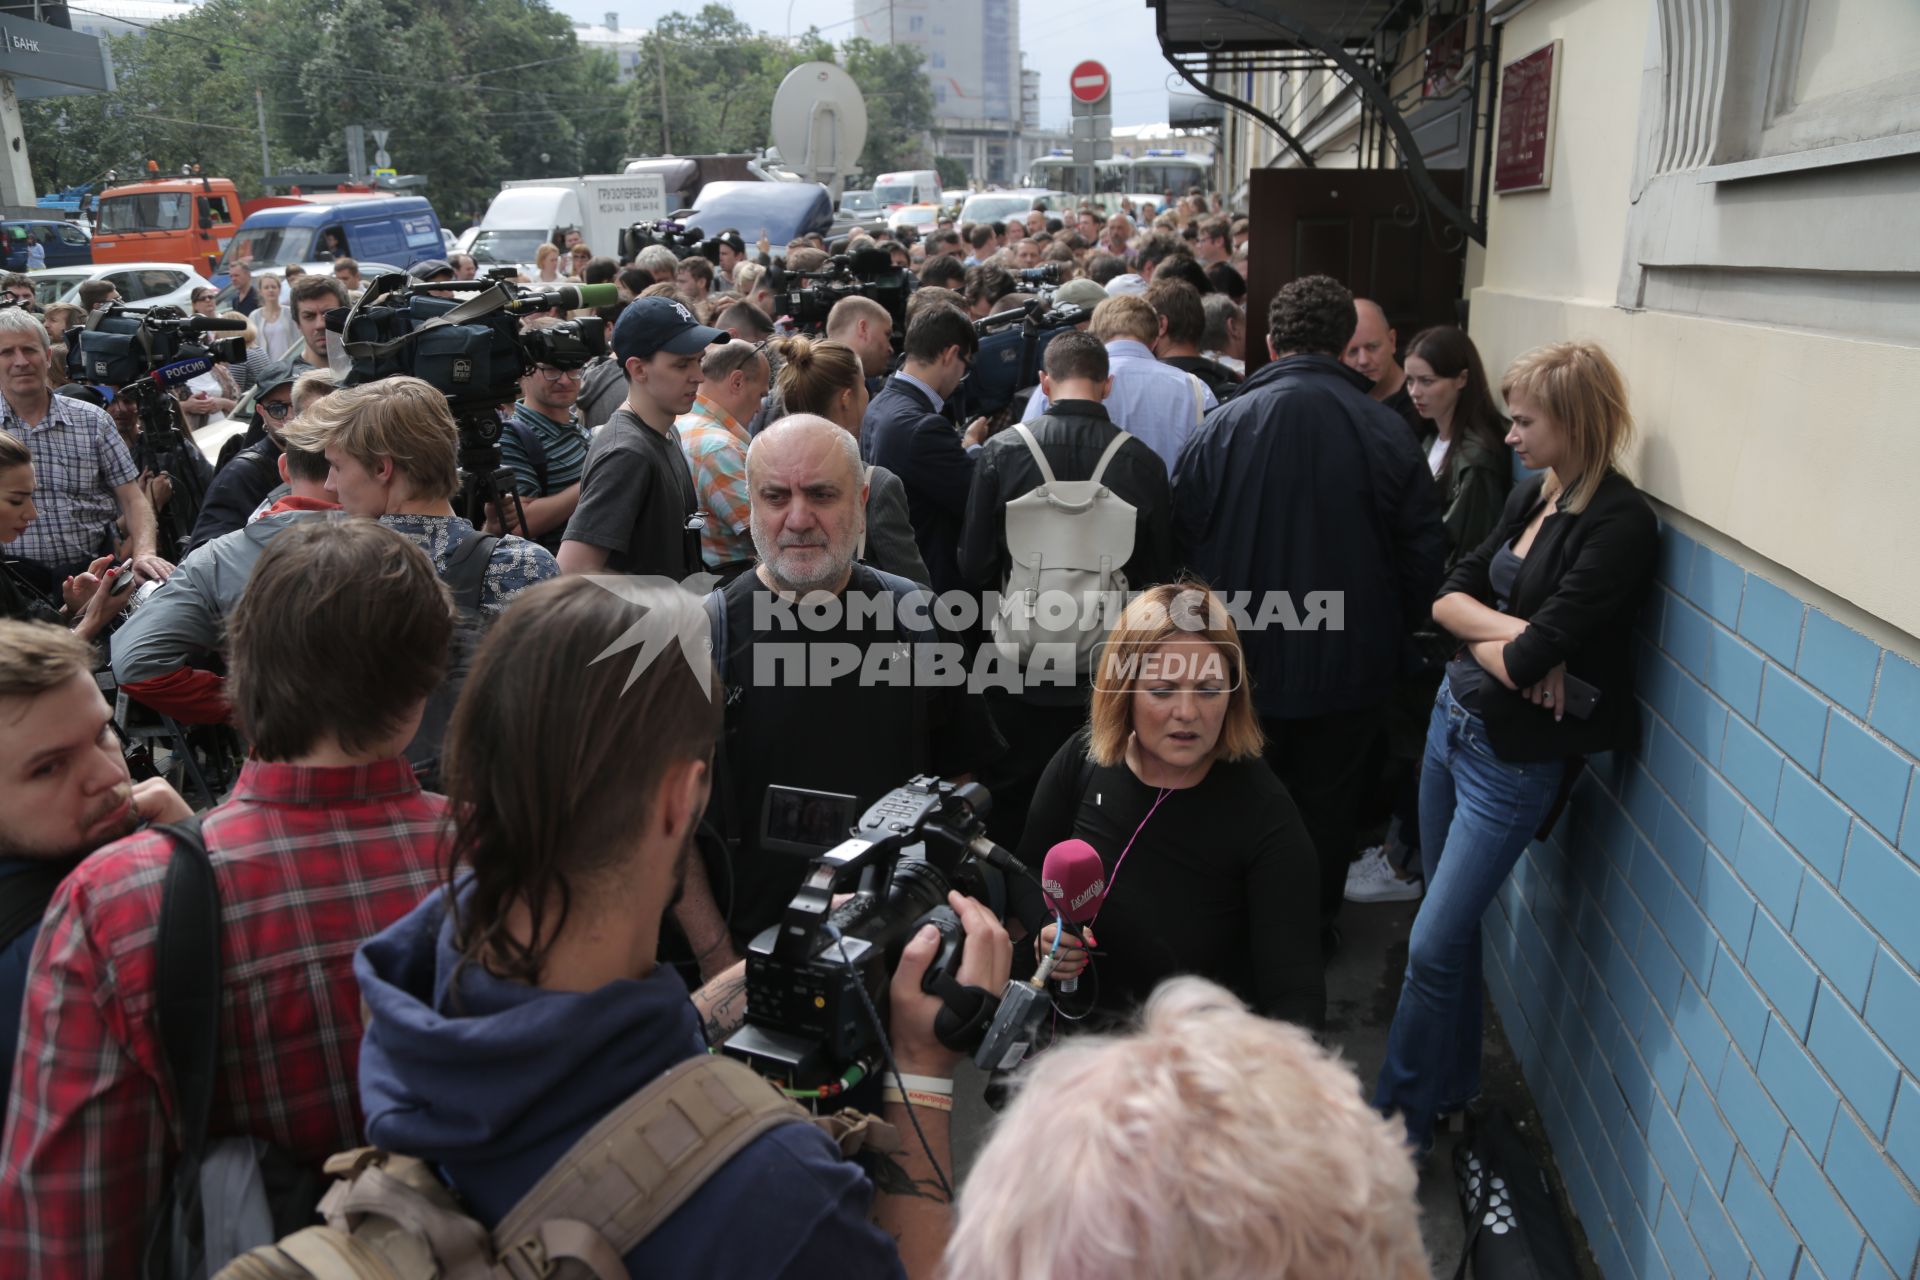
(1091, 86)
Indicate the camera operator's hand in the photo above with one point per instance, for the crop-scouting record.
(159, 489)
(151, 568)
(985, 961)
(976, 432)
(1072, 961)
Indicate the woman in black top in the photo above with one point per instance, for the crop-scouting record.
(1472, 475)
(1208, 868)
(1544, 609)
(90, 605)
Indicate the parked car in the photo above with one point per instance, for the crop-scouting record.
(64, 243)
(921, 217)
(859, 202)
(998, 206)
(141, 284)
(781, 211)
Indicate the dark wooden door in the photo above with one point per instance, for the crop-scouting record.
(1363, 227)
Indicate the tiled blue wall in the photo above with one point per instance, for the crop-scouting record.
(1708, 972)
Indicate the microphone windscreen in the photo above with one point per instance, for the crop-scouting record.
(598, 295)
(1074, 880)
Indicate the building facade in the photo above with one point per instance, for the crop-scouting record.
(1711, 971)
(972, 61)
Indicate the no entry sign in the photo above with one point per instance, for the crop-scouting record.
(1089, 82)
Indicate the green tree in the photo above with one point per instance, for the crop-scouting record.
(899, 103)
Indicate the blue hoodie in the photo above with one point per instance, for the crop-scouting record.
(495, 1094)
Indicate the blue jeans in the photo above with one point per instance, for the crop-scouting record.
(1477, 813)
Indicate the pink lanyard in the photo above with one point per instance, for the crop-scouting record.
(1114, 880)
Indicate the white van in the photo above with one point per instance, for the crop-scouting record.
(910, 186)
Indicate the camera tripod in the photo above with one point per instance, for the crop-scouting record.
(163, 448)
(485, 481)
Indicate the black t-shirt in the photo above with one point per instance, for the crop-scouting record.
(1221, 882)
(788, 726)
(1401, 402)
(637, 499)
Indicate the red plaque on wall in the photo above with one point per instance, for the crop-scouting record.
(1529, 96)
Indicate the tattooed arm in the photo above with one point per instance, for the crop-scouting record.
(910, 1204)
(722, 1003)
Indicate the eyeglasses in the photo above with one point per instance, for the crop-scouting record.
(552, 374)
(276, 409)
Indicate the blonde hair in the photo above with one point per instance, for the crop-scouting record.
(1125, 316)
(544, 253)
(1578, 386)
(1170, 611)
(814, 374)
(252, 336)
(747, 279)
(1207, 1143)
(402, 418)
(37, 656)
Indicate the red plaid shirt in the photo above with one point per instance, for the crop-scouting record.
(310, 862)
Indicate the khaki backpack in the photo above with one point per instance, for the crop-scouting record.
(390, 1217)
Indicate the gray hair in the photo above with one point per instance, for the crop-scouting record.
(723, 358)
(849, 446)
(20, 320)
(657, 257)
(1220, 311)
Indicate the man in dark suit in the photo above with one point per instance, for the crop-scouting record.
(905, 433)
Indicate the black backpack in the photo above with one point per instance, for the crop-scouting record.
(231, 1195)
(465, 576)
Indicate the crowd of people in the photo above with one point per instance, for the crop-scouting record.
(495, 860)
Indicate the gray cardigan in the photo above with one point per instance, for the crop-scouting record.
(889, 545)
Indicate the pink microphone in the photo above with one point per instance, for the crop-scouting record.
(1074, 881)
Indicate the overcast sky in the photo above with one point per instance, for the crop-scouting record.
(1055, 34)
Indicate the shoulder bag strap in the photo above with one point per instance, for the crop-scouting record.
(1113, 447)
(1039, 456)
(860, 552)
(635, 1168)
(466, 573)
(1199, 399)
(536, 452)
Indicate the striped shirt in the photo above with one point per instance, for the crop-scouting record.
(716, 449)
(79, 460)
(565, 446)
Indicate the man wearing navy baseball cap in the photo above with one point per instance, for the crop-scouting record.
(639, 510)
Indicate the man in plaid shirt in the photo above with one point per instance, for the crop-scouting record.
(84, 478)
(325, 840)
(713, 434)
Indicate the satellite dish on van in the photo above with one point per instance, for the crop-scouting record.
(820, 123)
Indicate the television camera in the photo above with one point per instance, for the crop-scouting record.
(143, 353)
(806, 297)
(682, 239)
(817, 979)
(471, 350)
(1012, 343)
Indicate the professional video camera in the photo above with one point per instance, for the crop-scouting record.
(682, 239)
(27, 304)
(1012, 343)
(143, 353)
(472, 351)
(816, 980)
(806, 297)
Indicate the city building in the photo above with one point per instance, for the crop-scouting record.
(972, 52)
(622, 42)
(1708, 972)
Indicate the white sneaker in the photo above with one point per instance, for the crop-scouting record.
(1372, 878)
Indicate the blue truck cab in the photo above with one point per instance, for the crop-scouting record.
(401, 230)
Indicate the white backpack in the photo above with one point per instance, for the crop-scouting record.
(1069, 541)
